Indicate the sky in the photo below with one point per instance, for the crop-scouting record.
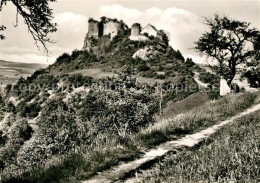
(183, 19)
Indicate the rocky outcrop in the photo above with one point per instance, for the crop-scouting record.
(147, 53)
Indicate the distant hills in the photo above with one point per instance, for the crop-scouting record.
(10, 72)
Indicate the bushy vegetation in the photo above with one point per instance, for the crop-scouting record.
(207, 77)
(15, 132)
(28, 110)
(253, 76)
(87, 119)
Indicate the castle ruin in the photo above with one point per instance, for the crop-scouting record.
(112, 27)
(138, 34)
(136, 29)
(93, 29)
(108, 27)
(152, 31)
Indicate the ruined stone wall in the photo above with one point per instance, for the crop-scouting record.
(149, 30)
(93, 29)
(112, 28)
(135, 30)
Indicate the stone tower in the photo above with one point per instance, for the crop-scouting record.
(136, 29)
(93, 28)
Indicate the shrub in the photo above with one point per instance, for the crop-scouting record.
(3, 139)
(10, 107)
(78, 80)
(8, 88)
(143, 68)
(207, 77)
(17, 134)
(178, 55)
(31, 110)
(213, 95)
(253, 76)
(189, 62)
(64, 56)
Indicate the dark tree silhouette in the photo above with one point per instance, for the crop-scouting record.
(2, 28)
(252, 72)
(229, 42)
(37, 16)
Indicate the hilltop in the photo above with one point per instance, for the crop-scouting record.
(110, 45)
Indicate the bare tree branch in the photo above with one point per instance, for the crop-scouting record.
(37, 16)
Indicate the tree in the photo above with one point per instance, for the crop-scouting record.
(252, 72)
(229, 42)
(2, 28)
(37, 16)
(189, 62)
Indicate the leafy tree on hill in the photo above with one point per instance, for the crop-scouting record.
(37, 16)
(229, 42)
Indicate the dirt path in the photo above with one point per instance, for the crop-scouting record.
(114, 174)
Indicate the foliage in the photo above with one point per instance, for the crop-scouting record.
(10, 107)
(253, 76)
(63, 57)
(210, 78)
(178, 55)
(37, 16)
(2, 28)
(116, 109)
(189, 62)
(60, 132)
(17, 134)
(143, 67)
(165, 38)
(3, 139)
(182, 88)
(78, 80)
(252, 72)
(8, 88)
(228, 42)
(29, 110)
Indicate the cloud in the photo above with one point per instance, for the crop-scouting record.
(72, 29)
(69, 21)
(119, 11)
(18, 54)
(16, 50)
(27, 58)
(182, 25)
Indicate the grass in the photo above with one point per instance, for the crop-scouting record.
(77, 166)
(182, 106)
(230, 155)
(196, 119)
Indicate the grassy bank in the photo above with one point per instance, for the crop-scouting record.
(230, 155)
(196, 119)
